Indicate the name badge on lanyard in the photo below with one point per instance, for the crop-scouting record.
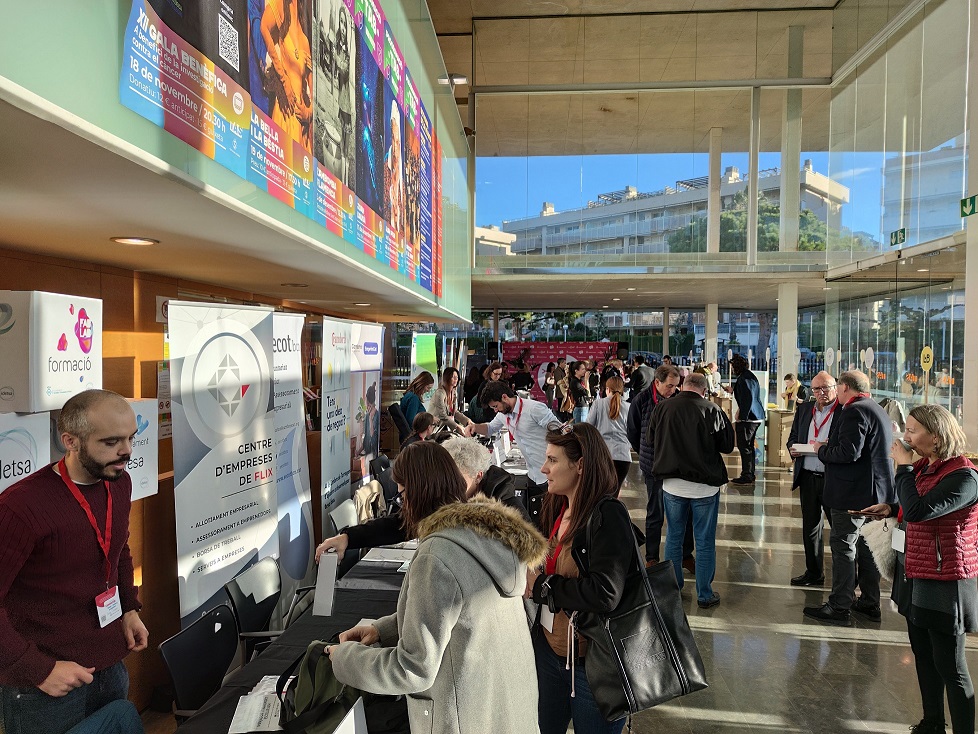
(899, 540)
(107, 604)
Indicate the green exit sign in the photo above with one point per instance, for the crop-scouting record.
(969, 206)
(898, 237)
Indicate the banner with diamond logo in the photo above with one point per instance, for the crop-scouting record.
(223, 409)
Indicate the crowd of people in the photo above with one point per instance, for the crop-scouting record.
(490, 567)
(578, 446)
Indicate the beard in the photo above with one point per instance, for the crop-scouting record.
(100, 471)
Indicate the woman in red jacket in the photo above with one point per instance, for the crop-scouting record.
(934, 584)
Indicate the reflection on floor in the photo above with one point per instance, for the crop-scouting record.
(770, 669)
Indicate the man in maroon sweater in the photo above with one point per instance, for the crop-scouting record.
(69, 612)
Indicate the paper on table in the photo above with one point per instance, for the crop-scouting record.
(394, 555)
(403, 568)
(804, 448)
(256, 713)
(265, 685)
(322, 605)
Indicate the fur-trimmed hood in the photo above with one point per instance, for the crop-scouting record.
(494, 535)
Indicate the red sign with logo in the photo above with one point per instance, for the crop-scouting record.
(539, 354)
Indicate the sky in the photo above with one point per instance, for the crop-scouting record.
(513, 188)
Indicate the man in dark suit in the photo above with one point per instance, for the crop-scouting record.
(750, 414)
(858, 473)
(813, 421)
(640, 378)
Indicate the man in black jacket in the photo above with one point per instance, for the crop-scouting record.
(858, 473)
(637, 428)
(813, 421)
(750, 415)
(689, 433)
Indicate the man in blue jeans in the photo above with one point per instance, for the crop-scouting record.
(689, 433)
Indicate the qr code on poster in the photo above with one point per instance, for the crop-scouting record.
(227, 39)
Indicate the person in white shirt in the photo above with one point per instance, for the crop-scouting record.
(610, 416)
(528, 421)
(813, 421)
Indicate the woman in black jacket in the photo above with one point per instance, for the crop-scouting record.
(579, 393)
(579, 577)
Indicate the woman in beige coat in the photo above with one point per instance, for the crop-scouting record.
(459, 645)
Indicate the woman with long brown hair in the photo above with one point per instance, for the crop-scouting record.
(458, 646)
(584, 573)
(610, 416)
(444, 403)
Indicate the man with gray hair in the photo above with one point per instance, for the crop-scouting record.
(481, 475)
(858, 473)
(688, 434)
(67, 590)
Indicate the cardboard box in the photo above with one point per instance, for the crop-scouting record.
(50, 349)
(24, 446)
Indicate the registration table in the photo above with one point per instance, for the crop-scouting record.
(368, 591)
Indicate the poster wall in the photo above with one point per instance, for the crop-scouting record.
(294, 499)
(24, 445)
(144, 465)
(311, 102)
(540, 354)
(223, 445)
(337, 352)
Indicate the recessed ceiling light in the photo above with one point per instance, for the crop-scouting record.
(604, 307)
(138, 241)
(294, 285)
(922, 270)
(631, 289)
(615, 299)
(361, 305)
(827, 288)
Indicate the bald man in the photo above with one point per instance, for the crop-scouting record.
(70, 612)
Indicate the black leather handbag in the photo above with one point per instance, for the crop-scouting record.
(643, 653)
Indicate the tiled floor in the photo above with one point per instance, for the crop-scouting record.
(771, 669)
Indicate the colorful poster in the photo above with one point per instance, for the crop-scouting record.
(25, 445)
(427, 199)
(294, 498)
(337, 340)
(311, 102)
(144, 464)
(172, 84)
(223, 446)
(437, 224)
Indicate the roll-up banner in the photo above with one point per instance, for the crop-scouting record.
(295, 534)
(143, 467)
(366, 369)
(24, 445)
(337, 351)
(423, 355)
(223, 446)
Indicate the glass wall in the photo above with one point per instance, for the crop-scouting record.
(888, 316)
(897, 137)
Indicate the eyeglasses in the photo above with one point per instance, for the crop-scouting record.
(823, 389)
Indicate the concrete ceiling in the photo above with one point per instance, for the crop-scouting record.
(63, 196)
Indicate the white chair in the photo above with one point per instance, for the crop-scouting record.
(343, 515)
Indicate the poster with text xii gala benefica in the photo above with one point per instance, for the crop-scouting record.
(309, 100)
(223, 445)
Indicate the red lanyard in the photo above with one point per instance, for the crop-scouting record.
(105, 542)
(655, 396)
(854, 398)
(551, 567)
(513, 426)
(820, 426)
